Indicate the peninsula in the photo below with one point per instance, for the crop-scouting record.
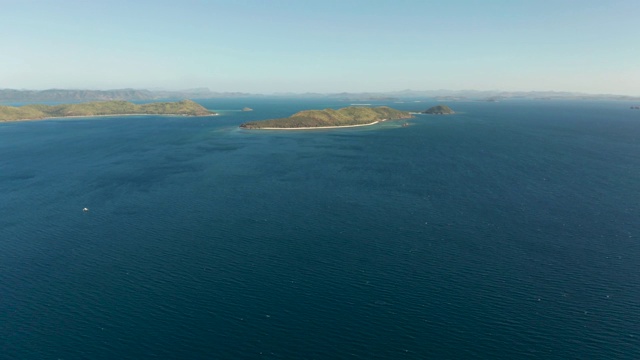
(330, 118)
(102, 108)
(438, 110)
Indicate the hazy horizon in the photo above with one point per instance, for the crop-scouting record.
(322, 47)
(437, 92)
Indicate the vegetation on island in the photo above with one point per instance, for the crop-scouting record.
(354, 115)
(439, 110)
(33, 112)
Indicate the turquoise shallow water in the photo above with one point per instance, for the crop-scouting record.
(509, 230)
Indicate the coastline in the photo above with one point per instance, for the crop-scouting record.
(92, 116)
(320, 127)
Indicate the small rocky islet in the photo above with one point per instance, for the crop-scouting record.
(438, 110)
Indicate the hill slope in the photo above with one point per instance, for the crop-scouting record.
(354, 115)
(28, 112)
(439, 110)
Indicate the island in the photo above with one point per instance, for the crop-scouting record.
(247, 109)
(438, 110)
(102, 108)
(330, 118)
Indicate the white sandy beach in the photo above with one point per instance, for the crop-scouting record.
(320, 127)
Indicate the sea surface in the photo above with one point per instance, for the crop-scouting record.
(510, 230)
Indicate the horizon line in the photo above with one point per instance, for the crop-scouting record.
(206, 89)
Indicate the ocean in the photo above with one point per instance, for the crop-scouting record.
(509, 230)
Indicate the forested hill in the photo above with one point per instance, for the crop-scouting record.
(29, 112)
(438, 110)
(349, 116)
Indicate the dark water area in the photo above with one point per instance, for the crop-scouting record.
(509, 230)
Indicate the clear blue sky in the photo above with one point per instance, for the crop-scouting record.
(271, 46)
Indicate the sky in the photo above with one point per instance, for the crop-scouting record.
(270, 46)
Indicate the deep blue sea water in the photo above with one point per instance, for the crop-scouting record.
(508, 231)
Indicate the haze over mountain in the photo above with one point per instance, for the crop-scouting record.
(69, 95)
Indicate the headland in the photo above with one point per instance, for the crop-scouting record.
(101, 108)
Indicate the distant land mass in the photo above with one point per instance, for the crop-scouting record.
(463, 95)
(77, 95)
(438, 110)
(497, 95)
(328, 118)
(103, 108)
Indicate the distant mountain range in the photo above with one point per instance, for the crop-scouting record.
(476, 95)
(57, 95)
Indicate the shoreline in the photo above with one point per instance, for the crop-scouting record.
(92, 116)
(319, 127)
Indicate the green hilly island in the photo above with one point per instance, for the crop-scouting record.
(349, 116)
(438, 110)
(102, 108)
